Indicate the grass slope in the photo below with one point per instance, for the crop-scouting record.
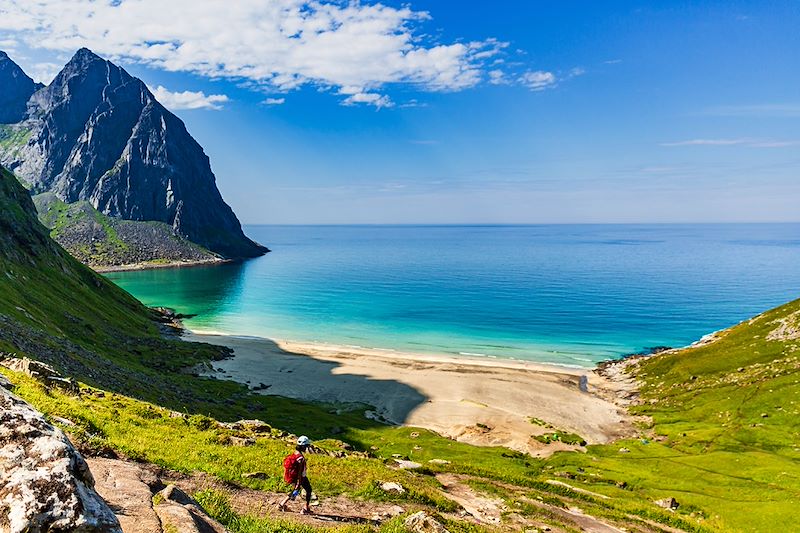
(723, 438)
(726, 422)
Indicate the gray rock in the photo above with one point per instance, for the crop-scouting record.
(406, 465)
(256, 426)
(181, 513)
(422, 522)
(39, 371)
(241, 441)
(255, 475)
(173, 494)
(392, 486)
(668, 503)
(45, 484)
(127, 489)
(186, 519)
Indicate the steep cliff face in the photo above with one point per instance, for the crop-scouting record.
(16, 89)
(98, 134)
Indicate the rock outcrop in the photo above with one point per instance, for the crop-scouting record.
(132, 490)
(128, 489)
(45, 484)
(422, 522)
(16, 89)
(181, 513)
(98, 134)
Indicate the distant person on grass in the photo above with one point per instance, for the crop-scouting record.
(295, 472)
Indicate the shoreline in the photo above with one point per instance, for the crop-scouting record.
(154, 266)
(493, 361)
(481, 401)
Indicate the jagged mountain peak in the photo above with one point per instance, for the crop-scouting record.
(98, 134)
(85, 59)
(16, 89)
(85, 54)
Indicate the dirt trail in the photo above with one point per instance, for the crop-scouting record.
(482, 508)
(494, 511)
(129, 486)
(328, 511)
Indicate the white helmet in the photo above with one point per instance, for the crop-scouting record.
(303, 441)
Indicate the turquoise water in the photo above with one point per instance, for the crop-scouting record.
(562, 294)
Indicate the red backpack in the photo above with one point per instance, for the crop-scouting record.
(292, 467)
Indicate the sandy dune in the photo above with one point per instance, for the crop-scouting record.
(448, 395)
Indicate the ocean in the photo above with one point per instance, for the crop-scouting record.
(565, 294)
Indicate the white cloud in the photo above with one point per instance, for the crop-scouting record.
(44, 72)
(708, 142)
(752, 143)
(374, 99)
(277, 44)
(188, 99)
(538, 80)
(274, 101)
(497, 77)
(412, 103)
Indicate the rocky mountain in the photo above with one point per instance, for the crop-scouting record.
(97, 134)
(16, 89)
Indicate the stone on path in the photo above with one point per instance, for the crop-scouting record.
(127, 489)
(422, 522)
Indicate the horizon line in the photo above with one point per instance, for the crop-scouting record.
(520, 224)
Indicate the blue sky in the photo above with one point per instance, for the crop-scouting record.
(454, 112)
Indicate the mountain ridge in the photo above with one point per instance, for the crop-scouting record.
(98, 134)
(18, 87)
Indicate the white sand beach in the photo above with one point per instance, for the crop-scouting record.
(446, 394)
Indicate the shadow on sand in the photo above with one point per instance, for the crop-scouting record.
(269, 369)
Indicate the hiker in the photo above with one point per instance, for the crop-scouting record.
(295, 473)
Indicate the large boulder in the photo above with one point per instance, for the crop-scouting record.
(45, 484)
(39, 371)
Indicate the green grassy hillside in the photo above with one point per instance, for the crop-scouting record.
(723, 436)
(725, 433)
(55, 309)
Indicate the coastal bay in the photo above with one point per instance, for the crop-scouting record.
(569, 295)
